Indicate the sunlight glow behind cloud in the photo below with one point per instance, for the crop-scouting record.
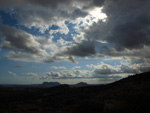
(98, 14)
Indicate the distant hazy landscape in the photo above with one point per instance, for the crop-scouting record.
(128, 95)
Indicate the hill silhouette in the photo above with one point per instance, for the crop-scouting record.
(50, 84)
(80, 84)
(128, 95)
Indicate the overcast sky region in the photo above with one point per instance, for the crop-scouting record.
(71, 41)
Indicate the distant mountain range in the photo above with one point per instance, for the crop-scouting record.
(48, 84)
(80, 84)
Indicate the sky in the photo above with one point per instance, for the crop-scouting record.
(71, 41)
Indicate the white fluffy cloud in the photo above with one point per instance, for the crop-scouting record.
(76, 67)
(55, 67)
(66, 74)
(12, 73)
(124, 68)
(33, 75)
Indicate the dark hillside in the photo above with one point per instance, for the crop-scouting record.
(129, 95)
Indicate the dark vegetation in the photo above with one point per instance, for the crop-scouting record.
(129, 95)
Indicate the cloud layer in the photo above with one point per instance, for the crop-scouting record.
(93, 28)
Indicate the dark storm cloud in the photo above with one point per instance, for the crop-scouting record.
(18, 39)
(47, 3)
(55, 3)
(1, 21)
(98, 2)
(105, 71)
(43, 3)
(73, 15)
(78, 13)
(126, 33)
(83, 49)
(127, 25)
(133, 33)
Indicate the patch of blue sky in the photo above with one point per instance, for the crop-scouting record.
(34, 67)
(3, 52)
(71, 26)
(113, 61)
(82, 62)
(102, 46)
(67, 64)
(6, 65)
(8, 19)
(54, 27)
(17, 80)
(0, 41)
(6, 78)
(41, 68)
(26, 67)
(81, 22)
(36, 32)
(87, 20)
(72, 30)
(96, 61)
(92, 18)
(57, 36)
(38, 68)
(69, 37)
